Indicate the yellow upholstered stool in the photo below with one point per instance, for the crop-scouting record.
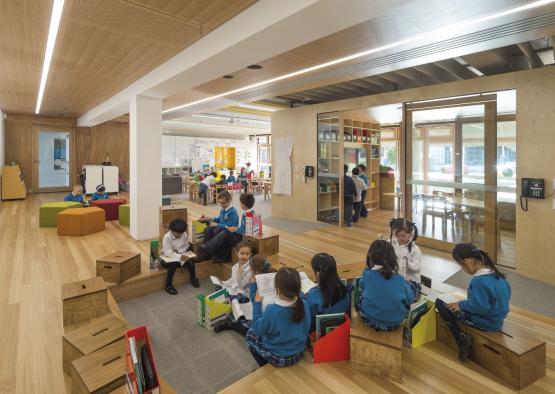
(81, 221)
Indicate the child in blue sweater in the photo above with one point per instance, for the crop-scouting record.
(219, 247)
(330, 295)
(227, 218)
(76, 195)
(385, 295)
(487, 302)
(279, 334)
(100, 193)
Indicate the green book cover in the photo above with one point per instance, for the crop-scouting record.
(331, 321)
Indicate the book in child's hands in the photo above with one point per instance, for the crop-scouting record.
(326, 323)
(197, 230)
(306, 283)
(266, 288)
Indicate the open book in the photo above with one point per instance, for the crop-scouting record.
(172, 256)
(266, 288)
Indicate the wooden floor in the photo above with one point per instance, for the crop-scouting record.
(35, 262)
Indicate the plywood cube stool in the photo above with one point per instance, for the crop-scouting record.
(377, 352)
(167, 214)
(512, 354)
(87, 339)
(119, 266)
(84, 300)
(80, 221)
(48, 212)
(124, 215)
(110, 206)
(101, 371)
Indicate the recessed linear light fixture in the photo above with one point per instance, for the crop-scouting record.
(57, 10)
(434, 33)
(258, 107)
(229, 118)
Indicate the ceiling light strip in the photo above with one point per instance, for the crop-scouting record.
(57, 10)
(433, 33)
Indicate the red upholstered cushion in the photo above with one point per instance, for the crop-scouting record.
(110, 207)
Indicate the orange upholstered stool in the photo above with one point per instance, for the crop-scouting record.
(80, 221)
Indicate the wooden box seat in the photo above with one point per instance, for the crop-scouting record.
(84, 300)
(512, 354)
(119, 266)
(48, 212)
(167, 214)
(91, 337)
(376, 352)
(266, 245)
(80, 221)
(110, 207)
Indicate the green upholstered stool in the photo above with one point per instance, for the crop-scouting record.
(49, 210)
(124, 215)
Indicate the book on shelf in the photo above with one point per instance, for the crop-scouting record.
(326, 323)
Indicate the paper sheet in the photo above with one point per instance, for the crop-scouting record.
(241, 310)
(282, 171)
(306, 283)
(265, 284)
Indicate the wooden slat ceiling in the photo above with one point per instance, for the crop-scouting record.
(102, 46)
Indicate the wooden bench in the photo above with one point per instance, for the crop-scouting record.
(377, 352)
(510, 354)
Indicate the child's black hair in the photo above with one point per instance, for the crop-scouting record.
(467, 250)
(345, 168)
(213, 174)
(246, 244)
(355, 171)
(223, 177)
(329, 282)
(231, 173)
(259, 265)
(178, 225)
(247, 199)
(362, 167)
(288, 282)
(405, 225)
(382, 253)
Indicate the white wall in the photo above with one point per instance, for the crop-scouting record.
(2, 156)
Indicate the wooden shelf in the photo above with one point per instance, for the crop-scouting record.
(327, 209)
(13, 186)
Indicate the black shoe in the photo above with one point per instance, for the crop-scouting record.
(171, 290)
(465, 344)
(223, 325)
(195, 282)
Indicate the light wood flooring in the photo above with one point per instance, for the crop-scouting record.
(35, 262)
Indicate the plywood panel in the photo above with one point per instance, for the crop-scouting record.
(94, 143)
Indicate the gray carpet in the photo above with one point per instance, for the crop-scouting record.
(526, 293)
(292, 226)
(189, 357)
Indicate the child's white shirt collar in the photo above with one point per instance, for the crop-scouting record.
(483, 271)
(286, 304)
(377, 267)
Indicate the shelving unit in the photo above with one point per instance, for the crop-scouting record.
(13, 185)
(329, 168)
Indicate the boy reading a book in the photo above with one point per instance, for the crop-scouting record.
(175, 253)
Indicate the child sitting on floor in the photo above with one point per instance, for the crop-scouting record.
(279, 334)
(409, 257)
(330, 295)
(174, 246)
(100, 194)
(385, 295)
(76, 195)
(239, 283)
(487, 302)
(258, 265)
(219, 247)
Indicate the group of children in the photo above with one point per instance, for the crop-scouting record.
(389, 285)
(223, 233)
(77, 194)
(355, 188)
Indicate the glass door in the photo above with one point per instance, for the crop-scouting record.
(451, 189)
(53, 160)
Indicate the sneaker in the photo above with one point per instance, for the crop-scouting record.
(465, 344)
(223, 325)
(195, 282)
(171, 290)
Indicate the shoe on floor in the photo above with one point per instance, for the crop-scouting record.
(465, 344)
(171, 290)
(223, 325)
(195, 282)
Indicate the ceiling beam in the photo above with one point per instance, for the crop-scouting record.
(367, 86)
(401, 81)
(533, 59)
(384, 85)
(437, 72)
(419, 76)
(456, 69)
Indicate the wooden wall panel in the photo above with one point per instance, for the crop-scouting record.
(535, 144)
(18, 134)
(94, 143)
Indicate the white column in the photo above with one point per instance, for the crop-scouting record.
(145, 160)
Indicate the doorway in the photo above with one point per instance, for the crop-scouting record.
(53, 159)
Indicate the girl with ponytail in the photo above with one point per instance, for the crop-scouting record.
(488, 297)
(385, 295)
(402, 237)
(330, 295)
(279, 334)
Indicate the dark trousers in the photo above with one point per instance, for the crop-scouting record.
(258, 358)
(348, 206)
(203, 193)
(172, 267)
(356, 214)
(219, 246)
(245, 186)
(363, 210)
(211, 231)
